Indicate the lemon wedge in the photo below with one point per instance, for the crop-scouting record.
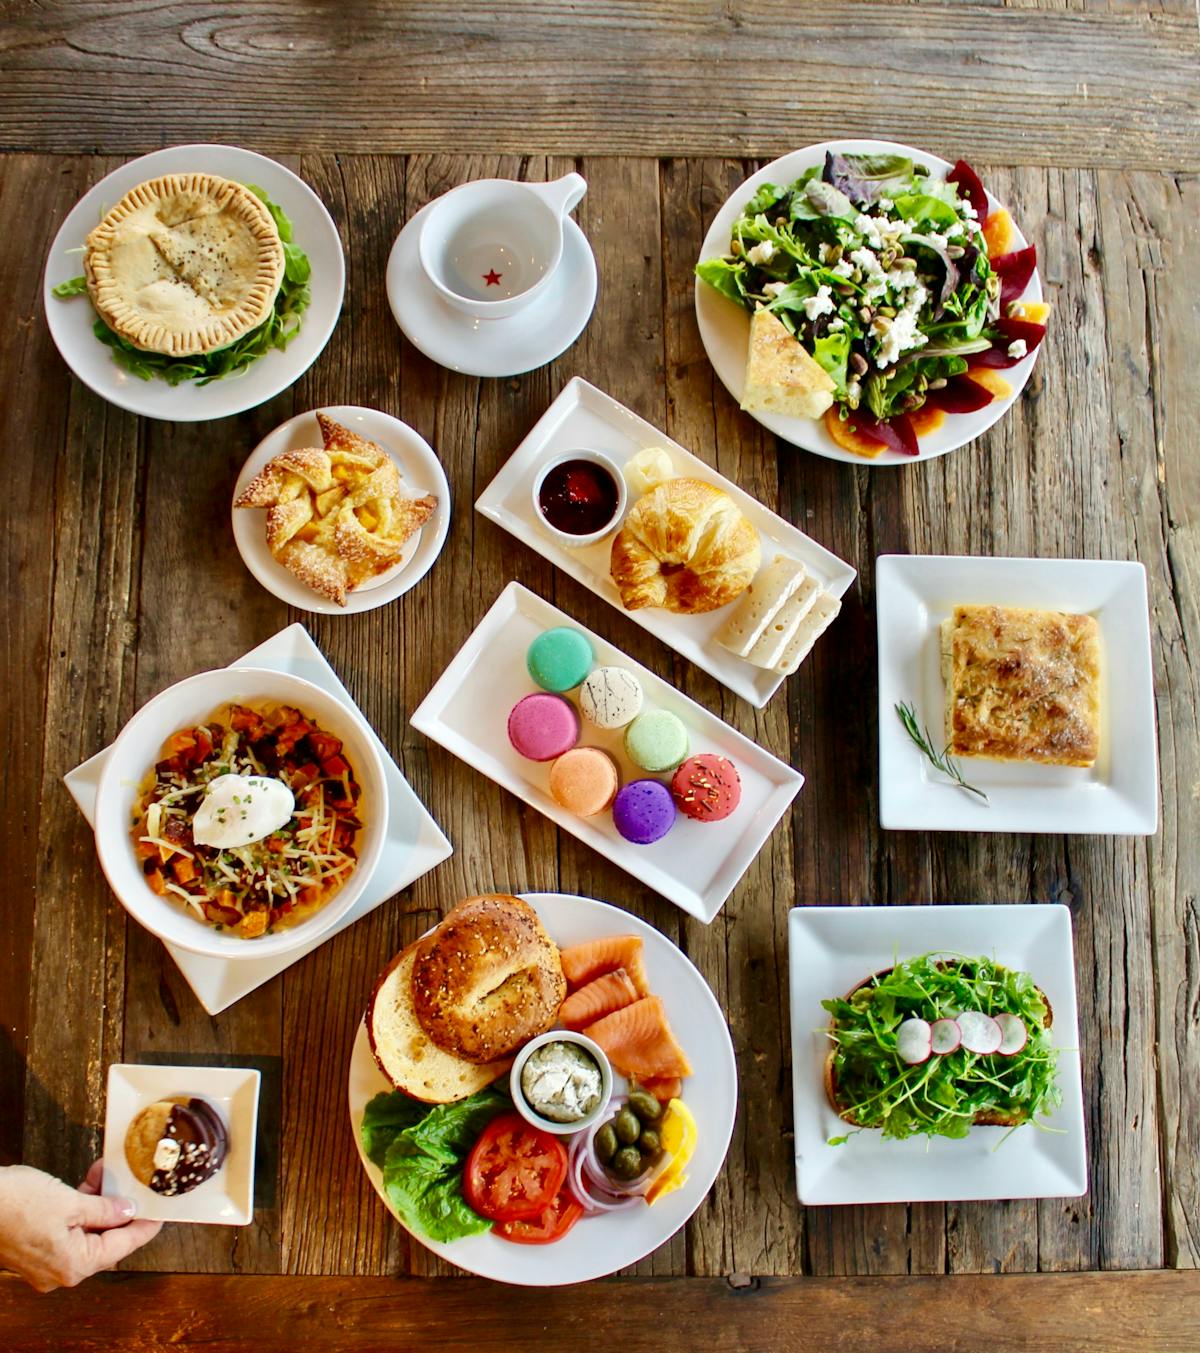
(678, 1133)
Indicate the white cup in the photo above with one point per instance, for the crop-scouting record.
(491, 246)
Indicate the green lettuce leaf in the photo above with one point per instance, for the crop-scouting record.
(385, 1116)
(77, 286)
(724, 276)
(833, 352)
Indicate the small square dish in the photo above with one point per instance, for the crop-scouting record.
(1117, 794)
(833, 949)
(583, 418)
(694, 865)
(227, 1199)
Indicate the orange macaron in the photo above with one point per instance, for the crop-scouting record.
(584, 781)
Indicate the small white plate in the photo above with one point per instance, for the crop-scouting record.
(830, 950)
(725, 327)
(584, 418)
(413, 846)
(600, 1245)
(695, 865)
(1117, 796)
(492, 347)
(71, 320)
(421, 472)
(227, 1199)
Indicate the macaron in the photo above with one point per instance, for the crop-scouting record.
(707, 787)
(643, 811)
(584, 781)
(611, 697)
(542, 727)
(656, 740)
(559, 659)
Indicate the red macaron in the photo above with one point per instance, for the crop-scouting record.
(707, 788)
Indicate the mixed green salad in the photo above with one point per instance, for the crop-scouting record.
(881, 271)
(276, 332)
(903, 1058)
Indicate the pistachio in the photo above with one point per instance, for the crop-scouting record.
(880, 325)
(912, 401)
(735, 247)
(955, 250)
(835, 254)
(780, 221)
(858, 363)
(906, 264)
(865, 314)
(888, 310)
(844, 289)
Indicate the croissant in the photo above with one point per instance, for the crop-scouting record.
(686, 546)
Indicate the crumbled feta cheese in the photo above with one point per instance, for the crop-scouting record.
(1017, 348)
(774, 288)
(843, 268)
(885, 204)
(967, 209)
(902, 335)
(853, 389)
(956, 231)
(901, 279)
(836, 324)
(873, 274)
(820, 304)
(868, 229)
(763, 252)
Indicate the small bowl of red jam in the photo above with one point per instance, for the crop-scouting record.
(580, 498)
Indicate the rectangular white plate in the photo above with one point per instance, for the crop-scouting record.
(413, 846)
(695, 865)
(227, 1199)
(584, 417)
(830, 950)
(1116, 796)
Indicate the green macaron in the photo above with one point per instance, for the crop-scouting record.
(656, 740)
(559, 659)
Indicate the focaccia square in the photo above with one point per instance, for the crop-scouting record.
(1022, 685)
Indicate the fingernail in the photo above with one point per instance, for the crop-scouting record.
(126, 1207)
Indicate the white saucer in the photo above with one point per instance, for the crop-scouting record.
(71, 320)
(421, 472)
(495, 347)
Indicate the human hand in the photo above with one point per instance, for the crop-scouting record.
(55, 1236)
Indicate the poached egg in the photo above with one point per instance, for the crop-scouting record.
(238, 810)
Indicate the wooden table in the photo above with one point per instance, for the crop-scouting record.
(120, 577)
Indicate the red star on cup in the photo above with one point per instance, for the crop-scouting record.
(492, 278)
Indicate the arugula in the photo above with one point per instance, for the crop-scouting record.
(421, 1150)
(276, 332)
(942, 1096)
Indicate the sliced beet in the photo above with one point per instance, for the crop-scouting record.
(945, 1036)
(896, 432)
(997, 358)
(1021, 328)
(913, 1041)
(960, 394)
(980, 1032)
(972, 189)
(1013, 1035)
(1014, 271)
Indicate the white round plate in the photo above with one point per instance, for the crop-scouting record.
(725, 327)
(492, 347)
(597, 1246)
(421, 472)
(71, 320)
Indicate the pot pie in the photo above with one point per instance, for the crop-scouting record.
(1022, 685)
(185, 264)
(337, 515)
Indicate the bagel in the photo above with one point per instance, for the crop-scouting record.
(686, 546)
(488, 979)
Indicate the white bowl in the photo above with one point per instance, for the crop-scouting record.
(530, 1114)
(138, 748)
(565, 538)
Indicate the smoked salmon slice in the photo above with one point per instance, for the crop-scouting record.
(593, 958)
(600, 997)
(639, 1041)
(663, 1088)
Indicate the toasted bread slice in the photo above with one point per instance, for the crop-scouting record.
(406, 1054)
(781, 376)
(982, 1119)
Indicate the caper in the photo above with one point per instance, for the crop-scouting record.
(650, 1143)
(643, 1103)
(627, 1127)
(606, 1142)
(627, 1163)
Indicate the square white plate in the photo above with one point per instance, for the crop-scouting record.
(830, 950)
(695, 865)
(413, 846)
(227, 1199)
(584, 417)
(1116, 796)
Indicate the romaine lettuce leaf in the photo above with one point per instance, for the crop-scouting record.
(723, 276)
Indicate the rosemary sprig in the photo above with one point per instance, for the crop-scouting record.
(938, 760)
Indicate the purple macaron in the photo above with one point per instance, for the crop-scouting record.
(542, 727)
(643, 811)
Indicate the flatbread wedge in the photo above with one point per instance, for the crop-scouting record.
(781, 377)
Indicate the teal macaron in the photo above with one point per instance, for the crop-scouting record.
(559, 659)
(656, 741)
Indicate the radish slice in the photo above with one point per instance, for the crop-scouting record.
(913, 1041)
(1014, 1034)
(945, 1036)
(980, 1033)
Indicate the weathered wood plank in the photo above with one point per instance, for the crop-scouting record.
(1045, 86)
(1077, 1313)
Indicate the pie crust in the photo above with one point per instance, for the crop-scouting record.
(185, 264)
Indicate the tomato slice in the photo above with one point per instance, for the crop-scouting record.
(514, 1170)
(551, 1224)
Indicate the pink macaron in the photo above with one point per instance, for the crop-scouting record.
(542, 727)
